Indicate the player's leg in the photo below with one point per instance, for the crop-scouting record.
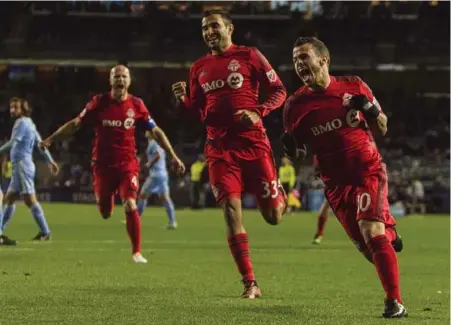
(105, 184)
(260, 177)
(144, 194)
(225, 180)
(27, 171)
(166, 200)
(375, 223)
(322, 219)
(32, 203)
(4, 240)
(128, 190)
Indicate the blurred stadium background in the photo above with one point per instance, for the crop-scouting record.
(58, 55)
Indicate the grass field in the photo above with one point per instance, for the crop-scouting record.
(86, 276)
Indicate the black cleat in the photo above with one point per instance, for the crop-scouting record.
(42, 237)
(5, 241)
(393, 309)
(397, 242)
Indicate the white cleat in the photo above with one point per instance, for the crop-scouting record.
(138, 258)
(172, 225)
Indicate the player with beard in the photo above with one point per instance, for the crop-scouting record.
(114, 162)
(335, 117)
(223, 93)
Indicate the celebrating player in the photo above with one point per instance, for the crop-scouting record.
(24, 139)
(114, 162)
(224, 89)
(157, 181)
(334, 116)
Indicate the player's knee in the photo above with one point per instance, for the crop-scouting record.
(371, 228)
(130, 204)
(105, 209)
(273, 216)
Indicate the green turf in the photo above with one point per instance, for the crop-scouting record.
(86, 276)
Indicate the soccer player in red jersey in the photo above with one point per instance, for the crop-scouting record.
(223, 93)
(335, 117)
(114, 162)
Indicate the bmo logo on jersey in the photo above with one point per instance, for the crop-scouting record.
(327, 127)
(128, 123)
(234, 81)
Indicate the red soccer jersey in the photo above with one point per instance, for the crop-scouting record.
(114, 123)
(339, 137)
(222, 84)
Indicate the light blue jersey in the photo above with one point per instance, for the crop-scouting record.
(24, 139)
(157, 181)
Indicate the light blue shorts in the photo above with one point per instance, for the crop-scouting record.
(22, 180)
(158, 184)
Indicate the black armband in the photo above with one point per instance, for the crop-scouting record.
(370, 111)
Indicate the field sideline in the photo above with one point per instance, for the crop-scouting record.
(86, 275)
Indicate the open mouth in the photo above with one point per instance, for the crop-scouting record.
(304, 73)
(213, 39)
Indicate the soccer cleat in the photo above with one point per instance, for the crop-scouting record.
(251, 290)
(5, 241)
(172, 226)
(397, 242)
(42, 237)
(138, 258)
(393, 309)
(317, 240)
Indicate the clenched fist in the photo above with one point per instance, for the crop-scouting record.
(247, 117)
(179, 90)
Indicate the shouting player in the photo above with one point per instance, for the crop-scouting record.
(157, 181)
(115, 165)
(335, 117)
(223, 93)
(24, 139)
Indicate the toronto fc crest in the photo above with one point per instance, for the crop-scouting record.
(234, 65)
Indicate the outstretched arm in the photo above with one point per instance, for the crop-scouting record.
(68, 129)
(44, 151)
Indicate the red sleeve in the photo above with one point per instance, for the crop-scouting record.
(287, 118)
(89, 113)
(194, 104)
(365, 90)
(270, 82)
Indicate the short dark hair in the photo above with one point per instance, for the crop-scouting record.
(26, 109)
(319, 46)
(225, 15)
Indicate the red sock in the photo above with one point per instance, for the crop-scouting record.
(322, 219)
(134, 230)
(386, 262)
(239, 247)
(390, 233)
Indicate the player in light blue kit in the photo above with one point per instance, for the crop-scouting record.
(157, 181)
(24, 138)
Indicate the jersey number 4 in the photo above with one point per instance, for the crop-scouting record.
(270, 189)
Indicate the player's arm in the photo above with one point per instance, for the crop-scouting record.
(271, 83)
(16, 135)
(370, 108)
(193, 104)
(161, 138)
(44, 151)
(87, 115)
(293, 150)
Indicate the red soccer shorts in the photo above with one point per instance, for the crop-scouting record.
(108, 181)
(368, 200)
(230, 175)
